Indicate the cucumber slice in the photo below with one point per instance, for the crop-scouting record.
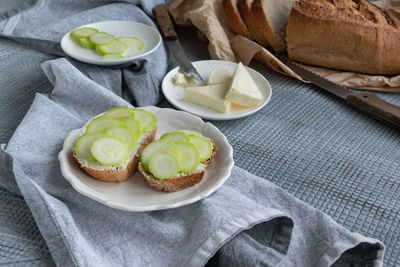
(101, 38)
(109, 151)
(132, 42)
(115, 47)
(85, 43)
(157, 147)
(147, 120)
(190, 132)
(203, 146)
(83, 32)
(119, 112)
(189, 157)
(175, 137)
(133, 125)
(111, 57)
(124, 134)
(164, 166)
(83, 144)
(98, 51)
(101, 123)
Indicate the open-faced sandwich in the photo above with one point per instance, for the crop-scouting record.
(177, 160)
(110, 145)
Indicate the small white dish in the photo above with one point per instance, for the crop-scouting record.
(135, 194)
(118, 28)
(174, 94)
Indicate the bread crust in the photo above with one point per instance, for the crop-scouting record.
(365, 39)
(235, 19)
(178, 183)
(251, 22)
(264, 26)
(121, 174)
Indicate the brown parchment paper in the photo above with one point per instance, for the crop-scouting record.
(209, 18)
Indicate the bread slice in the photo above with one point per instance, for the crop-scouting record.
(251, 22)
(235, 19)
(179, 182)
(118, 173)
(272, 17)
(346, 35)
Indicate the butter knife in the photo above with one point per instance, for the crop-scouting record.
(366, 102)
(173, 44)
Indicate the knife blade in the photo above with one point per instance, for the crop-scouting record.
(366, 102)
(173, 44)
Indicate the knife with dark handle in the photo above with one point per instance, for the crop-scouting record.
(173, 44)
(367, 102)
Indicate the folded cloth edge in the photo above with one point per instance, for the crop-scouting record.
(350, 241)
(229, 231)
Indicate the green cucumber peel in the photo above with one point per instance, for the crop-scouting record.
(85, 43)
(99, 124)
(164, 166)
(114, 47)
(175, 137)
(118, 112)
(101, 38)
(133, 43)
(111, 57)
(84, 32)
(124, 134)
(190, 132)
(133, 125)
(147, 119)
(189, 157)
(157, 147)
(83, 144)
(203, 146)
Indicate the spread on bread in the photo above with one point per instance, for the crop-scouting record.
(177, 160)
(111, 143)
(225, 88)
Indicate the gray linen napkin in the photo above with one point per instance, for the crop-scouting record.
(81, 232)
(40, 24)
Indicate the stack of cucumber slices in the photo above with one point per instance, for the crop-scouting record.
(108, 139)
(106, 45)
(176, 153)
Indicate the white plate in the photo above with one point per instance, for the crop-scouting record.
(174, 94)
(118, 28)
(135, 194)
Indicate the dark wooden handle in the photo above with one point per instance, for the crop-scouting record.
(164, 22)
(374, 105)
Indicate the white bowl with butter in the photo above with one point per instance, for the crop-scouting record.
(212, 96)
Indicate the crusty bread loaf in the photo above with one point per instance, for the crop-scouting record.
(178, 183)
(118, 174)
(352, 35)
(272, 17)
(251, 22)
(235, 19)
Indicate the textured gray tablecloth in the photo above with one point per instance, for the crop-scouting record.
(82, 232)
(360, 192)
(40, 24)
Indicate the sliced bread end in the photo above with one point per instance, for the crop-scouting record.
(262, 10)
(235, 19)
(119, 174)
(251, 22)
